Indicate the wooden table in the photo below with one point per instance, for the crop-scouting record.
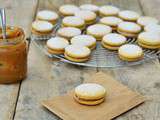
(48, 78)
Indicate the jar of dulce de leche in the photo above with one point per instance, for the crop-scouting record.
(13, 55)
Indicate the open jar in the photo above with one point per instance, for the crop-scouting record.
(13, 56)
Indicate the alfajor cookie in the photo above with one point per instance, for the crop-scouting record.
(68, 9)
(42, 27)
(68, 32)
(146, 20)
(108, 10)
(128, 15)
(73, 21)
(111, 21)
(152, 28)
(98, 31)
(130, 52)
(47, 15)
(77, 53)
(88, 16)
(113, 41)
(129, 29)
(56, 45)
(90, 94)
(90, 7)
(150, 40)
(84, 40)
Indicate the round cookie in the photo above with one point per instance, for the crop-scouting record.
(130, 52)
(88, 16)
(42, 27)
(152, 28)
(77, 53)
(84, 40)
(113, 41)
(98, 30)
(68, 9)
(90, 91)
(56, 45)
(129, 29)
(150, 40)
(89, 102)
(146, 20)
(68, 32)
(90, 7)
(128, 15)
(108, 10)
(73, 21)
(48, 15)
(111, 21)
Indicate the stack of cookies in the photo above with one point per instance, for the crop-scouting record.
(89, 94)
(83, 26)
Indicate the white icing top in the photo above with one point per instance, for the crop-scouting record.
(130, 50)
(128, 15)
(86, 15)
(84, 40)
(145, 20)
(152, 28)
(57, 43)
(90, 89)
(73, 21)
(78, 51)
(68, 9)
(99, 29)
(114, 38)
(129, 27)
(150, 37)
(69, 31)
(113, 21)
(47, 15)
(89, 7)
(42, 26)
(109, 10)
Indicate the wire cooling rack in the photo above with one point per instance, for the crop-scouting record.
(100, 57)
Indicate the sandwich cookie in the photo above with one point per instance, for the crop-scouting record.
(47, 15)
(84, 40)
(77, 53)
(68, 10)
(129, 29)
(128, 15)
(90, 7)
(42, 27)
(152, 28)
(73, 21)
(150, 40)
(98, 31)
(113, 41)
(88, 16)
(146, 20)
(57, 45)
(130, 52)
(108, 10)
(89, 94)
(68, 32)
(111, 21)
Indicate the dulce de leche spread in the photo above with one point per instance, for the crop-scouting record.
(13, 55)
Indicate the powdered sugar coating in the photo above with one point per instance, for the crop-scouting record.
(89, 7)
(73, 21)
(152, 28)
(111, 20)
(128, 15)
(68, 9)
(109, 10)
(146, 20)
(42, 26)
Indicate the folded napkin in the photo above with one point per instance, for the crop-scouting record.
(119, 99)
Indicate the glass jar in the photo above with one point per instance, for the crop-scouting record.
(13, 56)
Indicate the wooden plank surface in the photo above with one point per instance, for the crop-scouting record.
(48, 78)
(19, 15)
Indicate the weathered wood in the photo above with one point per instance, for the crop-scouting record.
(47, 78)
(19, 15)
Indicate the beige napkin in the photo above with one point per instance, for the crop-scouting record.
(119, 99)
